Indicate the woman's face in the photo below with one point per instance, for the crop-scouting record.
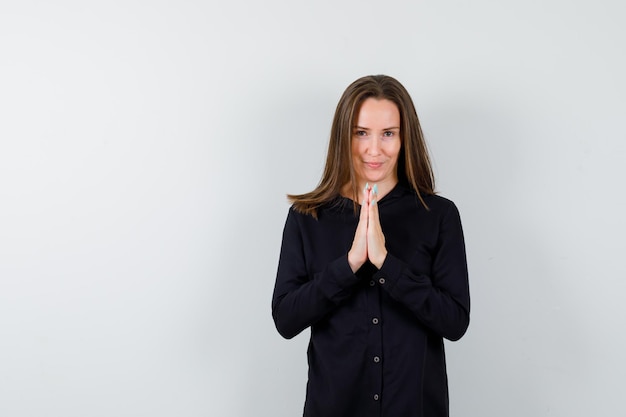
(376, 143)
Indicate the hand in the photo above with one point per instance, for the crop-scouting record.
(369, 240)
(358, 252)
(376, 250)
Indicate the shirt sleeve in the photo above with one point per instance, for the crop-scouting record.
(301, 299)
(439, 300)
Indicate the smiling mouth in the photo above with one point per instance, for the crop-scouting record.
(373, 165)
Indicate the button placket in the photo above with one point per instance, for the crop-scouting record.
(375, 339)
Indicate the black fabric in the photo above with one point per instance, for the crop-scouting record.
(376, 346)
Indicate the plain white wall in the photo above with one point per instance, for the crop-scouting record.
(146, 148)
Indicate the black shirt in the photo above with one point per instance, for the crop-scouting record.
(376, 345)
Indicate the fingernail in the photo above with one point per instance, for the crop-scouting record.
(375, 189)
(373, 201)
(367, 185)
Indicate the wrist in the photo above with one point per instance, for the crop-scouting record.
(380, 261)
(354, 264)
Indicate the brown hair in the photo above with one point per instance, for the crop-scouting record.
(414, 167)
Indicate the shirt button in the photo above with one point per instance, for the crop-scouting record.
(376, 397)
(375, 320)
(381, 280)
(376, 359)
(372, 283)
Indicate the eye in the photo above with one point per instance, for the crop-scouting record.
(388, 134)
(360, 133)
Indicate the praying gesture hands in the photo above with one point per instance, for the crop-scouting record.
(369, 240)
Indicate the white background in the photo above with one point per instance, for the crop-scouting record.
(146, 148)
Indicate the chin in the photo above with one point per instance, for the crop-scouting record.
(375, 178)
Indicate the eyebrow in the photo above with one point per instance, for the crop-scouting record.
(367, 128)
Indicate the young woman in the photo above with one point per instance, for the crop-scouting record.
(374, 263)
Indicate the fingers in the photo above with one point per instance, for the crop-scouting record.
(373, 206)
(358, 252)
(365, 204)
(369, 240)
(376, 250)
(373, 218)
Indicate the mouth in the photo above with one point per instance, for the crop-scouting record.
(373, 165)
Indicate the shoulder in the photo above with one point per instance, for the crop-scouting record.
(438, 208)
(444, 210)
(328, 218)
(435, 201)
(295, 215)
(337, 206)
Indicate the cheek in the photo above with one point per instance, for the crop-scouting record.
(356, 148)
(394, 151)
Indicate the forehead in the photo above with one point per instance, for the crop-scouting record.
(378, 113)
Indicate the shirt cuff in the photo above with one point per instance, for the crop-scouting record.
(337, 279)
(391, 272)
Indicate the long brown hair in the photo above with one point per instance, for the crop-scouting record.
(414, 167)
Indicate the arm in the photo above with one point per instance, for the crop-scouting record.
(299, 299)
(440, 300)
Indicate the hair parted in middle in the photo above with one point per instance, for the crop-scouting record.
(414, 166)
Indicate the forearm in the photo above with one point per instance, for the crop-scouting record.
(300, 301)
(444, 309)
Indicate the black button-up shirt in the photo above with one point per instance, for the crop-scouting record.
(376, 345)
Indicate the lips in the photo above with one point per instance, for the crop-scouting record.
(373, 165)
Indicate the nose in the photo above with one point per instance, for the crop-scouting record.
(374, 148)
